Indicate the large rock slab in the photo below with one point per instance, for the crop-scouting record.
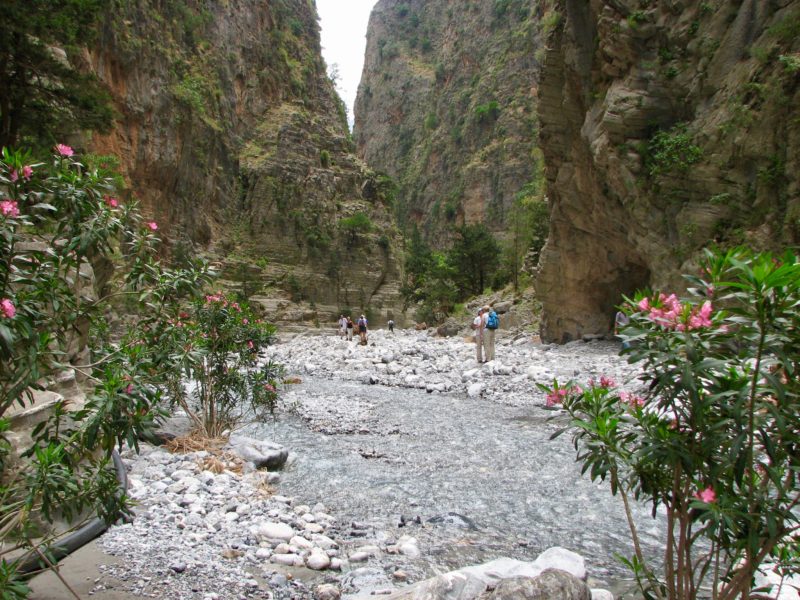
(450, 586)
(552, 584)
(491, 573)
(264, 455)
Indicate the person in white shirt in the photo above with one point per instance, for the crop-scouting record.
(478, 325)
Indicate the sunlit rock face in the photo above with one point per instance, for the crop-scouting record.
(665, 128)
(231, 135)
(447, 106)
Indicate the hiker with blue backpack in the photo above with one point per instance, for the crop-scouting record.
(490, 324)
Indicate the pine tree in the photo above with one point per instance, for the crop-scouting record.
(475, 253)
(42, 94)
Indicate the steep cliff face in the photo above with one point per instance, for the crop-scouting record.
(666, 126)
(231, 135)
(446, 106)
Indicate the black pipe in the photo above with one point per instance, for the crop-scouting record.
(77, 539)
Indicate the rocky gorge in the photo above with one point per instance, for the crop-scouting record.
(410, 468)
(656, 129)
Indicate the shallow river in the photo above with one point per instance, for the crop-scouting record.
(471, 479)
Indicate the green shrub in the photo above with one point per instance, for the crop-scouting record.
(550, 21)
(790, 62)
(71, 213)
(635, 18)
(787, 30)
(222, 340)
(296, 27)
(488, 112)
(325, 158)
(431, 122)
(355, 225)
(671, 151)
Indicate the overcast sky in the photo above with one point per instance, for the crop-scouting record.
(344, 30)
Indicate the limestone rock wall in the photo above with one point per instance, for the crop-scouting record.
(447, 106)
(231, 135)
(666, 126)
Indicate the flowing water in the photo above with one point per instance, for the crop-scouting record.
(471, 479)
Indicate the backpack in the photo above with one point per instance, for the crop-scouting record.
(492, 322)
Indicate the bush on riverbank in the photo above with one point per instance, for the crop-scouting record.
(59, 222)
(713, 435)
(219, 341)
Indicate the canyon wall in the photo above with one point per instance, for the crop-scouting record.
(230, 134)
(666, 126)
(447, 107)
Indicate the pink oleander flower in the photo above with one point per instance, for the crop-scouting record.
(702, 317)
(64, 150)
(556, 397)
(213, 298)
(250, 344)
(112, 202)
(670, 313)
(707, 495)
(631, 400)
(9, 208)
(7, 308)
(153, 226)
(27, 172)
(129, 389)
(245, 321)
(13, 176)
(607, 382)
(644, 304)
(269, 387)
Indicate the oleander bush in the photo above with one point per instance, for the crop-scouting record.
(711, 435)
(60, 221)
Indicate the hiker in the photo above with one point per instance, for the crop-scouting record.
(362, 330)
(391, 325)
(491, 322)
(621, 320)
(342, 326)
(350, 327)
(477, 326)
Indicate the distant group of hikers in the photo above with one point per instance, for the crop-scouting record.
(346, 327)
(484, 328)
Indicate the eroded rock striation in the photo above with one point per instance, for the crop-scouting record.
(666, 126)
(447, 106)
(230, 133)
